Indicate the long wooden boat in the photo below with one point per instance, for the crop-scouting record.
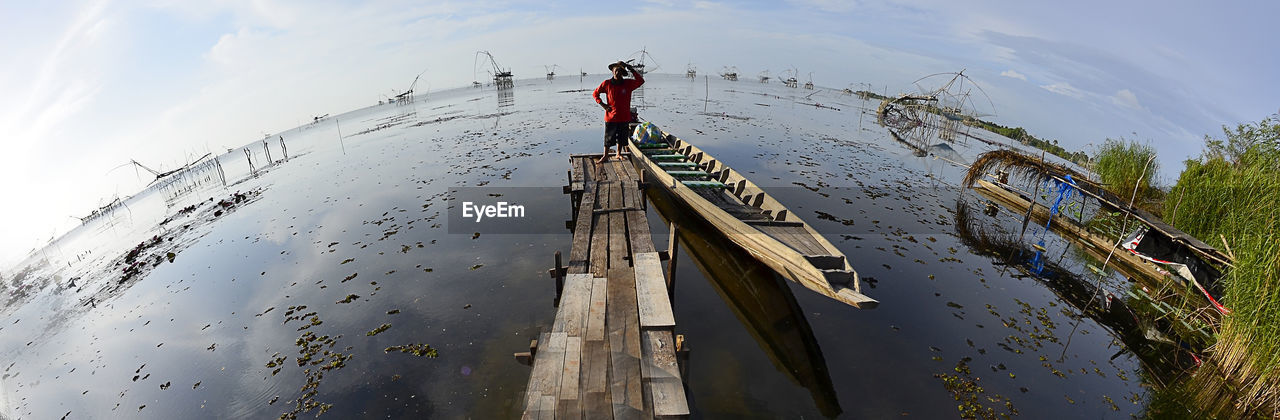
(749, 217)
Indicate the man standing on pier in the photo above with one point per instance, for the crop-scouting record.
(618, 109)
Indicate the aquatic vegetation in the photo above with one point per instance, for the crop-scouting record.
(313, 350)
(419, 350)
(975, 402)
(1125, 167)
(378, 330)
(349, 298)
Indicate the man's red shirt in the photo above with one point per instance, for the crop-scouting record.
(619, 93)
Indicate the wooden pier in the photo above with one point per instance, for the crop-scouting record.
(612, 350)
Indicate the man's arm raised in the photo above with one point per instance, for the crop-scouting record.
(638, 76)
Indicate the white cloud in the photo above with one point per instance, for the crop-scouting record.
(1013, 74)
(1126, 98)
(1064, 89)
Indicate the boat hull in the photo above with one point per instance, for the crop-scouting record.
(839, 283)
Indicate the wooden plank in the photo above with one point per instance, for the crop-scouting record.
(569, 405)
(652, 301)
(595, 366)
(547, 409)
(575, 301)
(662, 373)
(619, 249)
(595, 357)
(600, 239)
(596, 402)
(576, 174)
(596, 310)
(625, 384)
(579, 253)
(539, 377)
(580, 250)
(637, 221)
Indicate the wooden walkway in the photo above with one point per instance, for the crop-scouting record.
(611, 352)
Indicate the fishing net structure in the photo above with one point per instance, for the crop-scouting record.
(941, 105)
(502, 78)
(644, 62)
(729, 73)
(789, 77)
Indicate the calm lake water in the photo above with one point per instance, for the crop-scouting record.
(355, 229)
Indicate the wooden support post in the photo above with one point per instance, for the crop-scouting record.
(559, 275)
(642, 185)
(673, 246)
(682, 357)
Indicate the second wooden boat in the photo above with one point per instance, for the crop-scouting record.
(749, 217)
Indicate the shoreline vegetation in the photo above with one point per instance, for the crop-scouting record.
(1227, 196)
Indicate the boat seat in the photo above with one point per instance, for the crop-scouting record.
(704, 184)
(667, 157)
(840, 277)
(651, 152)
(677, 165)
(689, 173)
(826, 262)
(652, 145)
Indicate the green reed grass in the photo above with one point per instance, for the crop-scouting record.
(1122, 164)
(1234, 197)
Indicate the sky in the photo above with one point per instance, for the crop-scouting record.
(86, 86)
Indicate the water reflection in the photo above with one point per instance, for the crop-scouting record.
(760, 300)
(506, 98)
(1163, 358)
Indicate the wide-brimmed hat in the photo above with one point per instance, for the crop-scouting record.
(617, 64)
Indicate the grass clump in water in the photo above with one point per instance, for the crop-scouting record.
(1125, 165)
